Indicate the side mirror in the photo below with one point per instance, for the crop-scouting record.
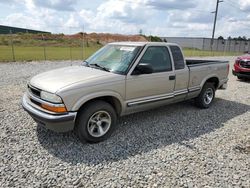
(143, 68)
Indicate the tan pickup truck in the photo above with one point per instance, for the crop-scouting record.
(119, 79)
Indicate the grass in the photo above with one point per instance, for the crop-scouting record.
(28, 47)
(188, 52)
(25, 53)
(29, 53)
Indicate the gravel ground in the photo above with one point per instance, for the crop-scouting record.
(174, 146)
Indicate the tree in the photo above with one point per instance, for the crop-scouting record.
(220, 38)
(239, 38)
(154, 38)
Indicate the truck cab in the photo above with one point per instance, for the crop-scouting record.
(167, 80)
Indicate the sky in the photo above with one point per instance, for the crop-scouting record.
(165, 18)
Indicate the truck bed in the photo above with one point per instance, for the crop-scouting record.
(200, 69)
(197, 62)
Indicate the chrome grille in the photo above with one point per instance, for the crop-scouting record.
(245, 64)
(34, 91)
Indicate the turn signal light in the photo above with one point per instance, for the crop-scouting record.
(54, 108)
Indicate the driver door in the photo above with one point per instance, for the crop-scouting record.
(146, 89)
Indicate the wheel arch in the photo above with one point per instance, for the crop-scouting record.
(113, 99)
(213, 79)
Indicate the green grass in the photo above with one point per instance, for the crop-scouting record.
(24, 53)
(188, 52)
(28, 53)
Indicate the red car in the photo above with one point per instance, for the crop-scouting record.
(242, 67)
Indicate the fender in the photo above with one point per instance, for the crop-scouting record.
(91, 96)
(207, 78)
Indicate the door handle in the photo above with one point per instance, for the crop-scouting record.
(172, 77)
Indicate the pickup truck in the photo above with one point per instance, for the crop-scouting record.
(119, 79)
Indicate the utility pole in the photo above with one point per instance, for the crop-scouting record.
(215, 19)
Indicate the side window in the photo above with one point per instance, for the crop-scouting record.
(158, 57)
(178, 57)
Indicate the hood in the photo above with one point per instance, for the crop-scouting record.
(54, 80)
(244, 57)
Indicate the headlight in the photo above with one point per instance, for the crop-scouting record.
(50, 97)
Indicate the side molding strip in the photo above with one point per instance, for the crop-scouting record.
(162, 97)
(150, 100)
(195, 88)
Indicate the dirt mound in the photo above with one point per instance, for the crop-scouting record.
(106, 37)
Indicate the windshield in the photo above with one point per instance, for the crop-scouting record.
(113, 58)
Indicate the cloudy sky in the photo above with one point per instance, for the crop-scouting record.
(191, 18)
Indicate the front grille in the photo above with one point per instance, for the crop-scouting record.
(35, 102)
(245, 64)
(34, 91)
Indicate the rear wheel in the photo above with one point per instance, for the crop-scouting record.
(206, 96)
(96, 122)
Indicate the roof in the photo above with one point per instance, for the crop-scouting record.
(12, 30)
(141, 43)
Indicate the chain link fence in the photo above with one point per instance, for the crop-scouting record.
(46, 46)
(205, 47)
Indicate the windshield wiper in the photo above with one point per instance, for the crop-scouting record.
(100, 67)
(85, 63)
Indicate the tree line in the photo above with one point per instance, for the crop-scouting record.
(239, 38)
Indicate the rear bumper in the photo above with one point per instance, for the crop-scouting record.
(56, 122)
(241, 74)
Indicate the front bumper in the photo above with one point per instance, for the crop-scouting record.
(241, 74)
(56, 122)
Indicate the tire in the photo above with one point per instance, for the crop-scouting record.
(206, 96)
(95, 122)
(240, 78)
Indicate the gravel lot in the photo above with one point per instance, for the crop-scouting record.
(173, 146)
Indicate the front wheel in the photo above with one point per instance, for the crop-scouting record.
(240, 78)
(206, 96)
(95, 122)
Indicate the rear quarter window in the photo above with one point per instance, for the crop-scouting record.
(177, 57)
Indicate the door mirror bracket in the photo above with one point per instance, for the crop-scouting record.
(143, 68)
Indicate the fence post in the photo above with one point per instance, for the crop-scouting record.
(203, 48)
(229, 45)
(211, 47)
(225, 47)
(217, 45)
(44, 49)
(82, 41)
(12, 46)
(192, 47)
(70, 50)
(82, 46)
